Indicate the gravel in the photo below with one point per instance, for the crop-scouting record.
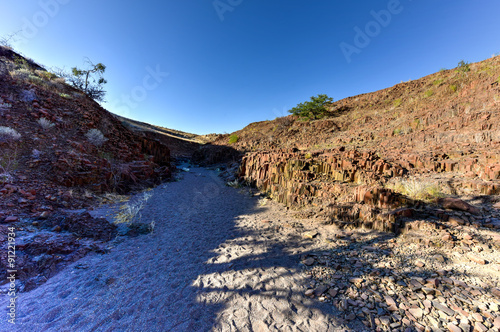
(217, 259)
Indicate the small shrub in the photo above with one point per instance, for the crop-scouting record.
(27, 96)
(36, 80)
(234, 184)
(6, 40)
(95, 137)
(8, 164)
(438, 82)
(406, 130)
(453, 87)
(397, 102)
(397, 132)
(131, 210)
(21, 62)
(21, 74)
(8, 134)
(45, 123)
(416, 189)
(65, 95)
(47, 75)
(89, 80)
(313, 109)
(283, 122)
(428, 93)
(59, 80)
(463, 67)
(233, 139)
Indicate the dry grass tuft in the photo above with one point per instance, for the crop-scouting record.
(418, 189)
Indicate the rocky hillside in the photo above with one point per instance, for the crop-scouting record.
(59, 151)
(412, 143)
(182, 145)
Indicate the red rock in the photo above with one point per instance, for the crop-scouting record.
(391, 303)
(447, 237)
(454, 328)
(496, 322)
(476, 259)
(495, 291)
(416, 312)
(11, 219)
(44, 215)
(332, 292)
(458, 204)
(455, 221)
(467, 236)
(480, 327)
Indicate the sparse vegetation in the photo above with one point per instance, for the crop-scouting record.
(89, 80)
(313, 109)
(234, 184)
(96, 137)
(463, 67)
(8, 164)
(233, 139)
(131, 211)
(397, 102)
(428, 93)
(453, 87)
(6, 40)
(47, 75)
(414, 188)
(438, 82)
(8, 134)
(45, 123)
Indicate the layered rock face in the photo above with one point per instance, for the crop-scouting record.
(349, 186)
(442, 129)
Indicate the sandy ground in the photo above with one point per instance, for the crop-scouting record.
(216, 260)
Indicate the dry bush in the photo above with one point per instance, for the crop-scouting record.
(95, 137)
(131, 210)
(419, 189)
(8, 134)
(45, 123)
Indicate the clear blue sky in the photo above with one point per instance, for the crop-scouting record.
(232, 62)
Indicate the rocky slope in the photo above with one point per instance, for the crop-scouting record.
(59, 151)
(373, 153)
(420, 160)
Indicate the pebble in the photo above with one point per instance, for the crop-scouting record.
(309, 261)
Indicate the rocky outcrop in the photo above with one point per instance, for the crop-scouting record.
(347, 187)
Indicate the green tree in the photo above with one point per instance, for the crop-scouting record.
(90, 80)
(313, 109)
